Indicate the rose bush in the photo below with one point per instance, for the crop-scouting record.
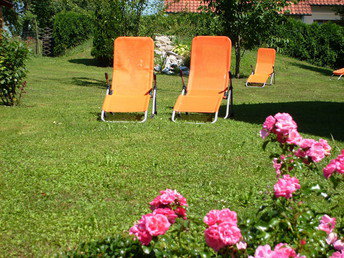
(285, 225)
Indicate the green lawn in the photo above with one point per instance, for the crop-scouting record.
(67, 178)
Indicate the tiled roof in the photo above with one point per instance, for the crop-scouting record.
(175, 6)
(304, 7)
(301, 8)
(326, 2)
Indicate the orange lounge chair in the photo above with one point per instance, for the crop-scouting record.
(209, 77)
(339, 72)
(132, 78)
(264, 68)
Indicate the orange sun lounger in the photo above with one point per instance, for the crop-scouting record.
(339, 72)
(131, 87)
(209, 77)
(264, 68)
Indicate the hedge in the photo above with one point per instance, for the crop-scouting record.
(319, 44)
(70, 29)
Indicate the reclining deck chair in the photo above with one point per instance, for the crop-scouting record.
(339, 72)
(264, 68)
(209, 77)
(132, 78)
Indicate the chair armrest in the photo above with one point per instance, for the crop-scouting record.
(183, 83)
(154, 81)
(108, 86)
(252, 69)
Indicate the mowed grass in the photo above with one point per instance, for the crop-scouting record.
(67, 178)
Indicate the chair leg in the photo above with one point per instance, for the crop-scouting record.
(154, 109)
(340, 76)
(173, 118)
(215, 119)
(229, 104)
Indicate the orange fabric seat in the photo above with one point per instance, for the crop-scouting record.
(264, 67)
(198, 103)
(209, 76)
(123, 103)
(132, 76)
(258, 78)
(339, 72)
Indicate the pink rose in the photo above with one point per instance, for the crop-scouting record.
(229, 233)
(284, 123)
(286, 186)
(212, 238)
(241, 245)
(330, 169)
(326, 146)
(140, 232)
(277, 166)
(269, 123)
(170, 214)
(263, 133)
(338, 255)
(338, 245)
(167, 199)
(211, 217)
(327, 224)
(181, 212)
(331, 238)
(300, 153)
(156, 224)
(226, 215)
(220, 216)
(263, 251)
(294, 137)
(316, 152)
(307, 143)
(283, 250)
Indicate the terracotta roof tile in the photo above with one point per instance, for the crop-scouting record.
(301, 8)
(326, 2)
(174, 6)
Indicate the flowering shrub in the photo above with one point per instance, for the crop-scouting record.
(281, 250)
(286, 186)
(285, 221)
(335, 165)
(166, 208)
(223, 230)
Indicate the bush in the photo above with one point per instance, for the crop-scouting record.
(114, 19)
(184, 26)
(13, 54)
(285, 226)
(70, 29)
(321, 45)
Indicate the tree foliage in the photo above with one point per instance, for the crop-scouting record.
(247, 23)
(114, 19)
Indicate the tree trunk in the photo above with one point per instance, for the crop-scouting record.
(237, 58)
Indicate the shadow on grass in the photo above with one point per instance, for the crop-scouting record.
(121, 117)
(88, 82)
(324, 119)
(324, 71)
(86, 61)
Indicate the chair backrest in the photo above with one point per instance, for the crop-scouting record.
(210, 63)
(265, 60)
(133, 65)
